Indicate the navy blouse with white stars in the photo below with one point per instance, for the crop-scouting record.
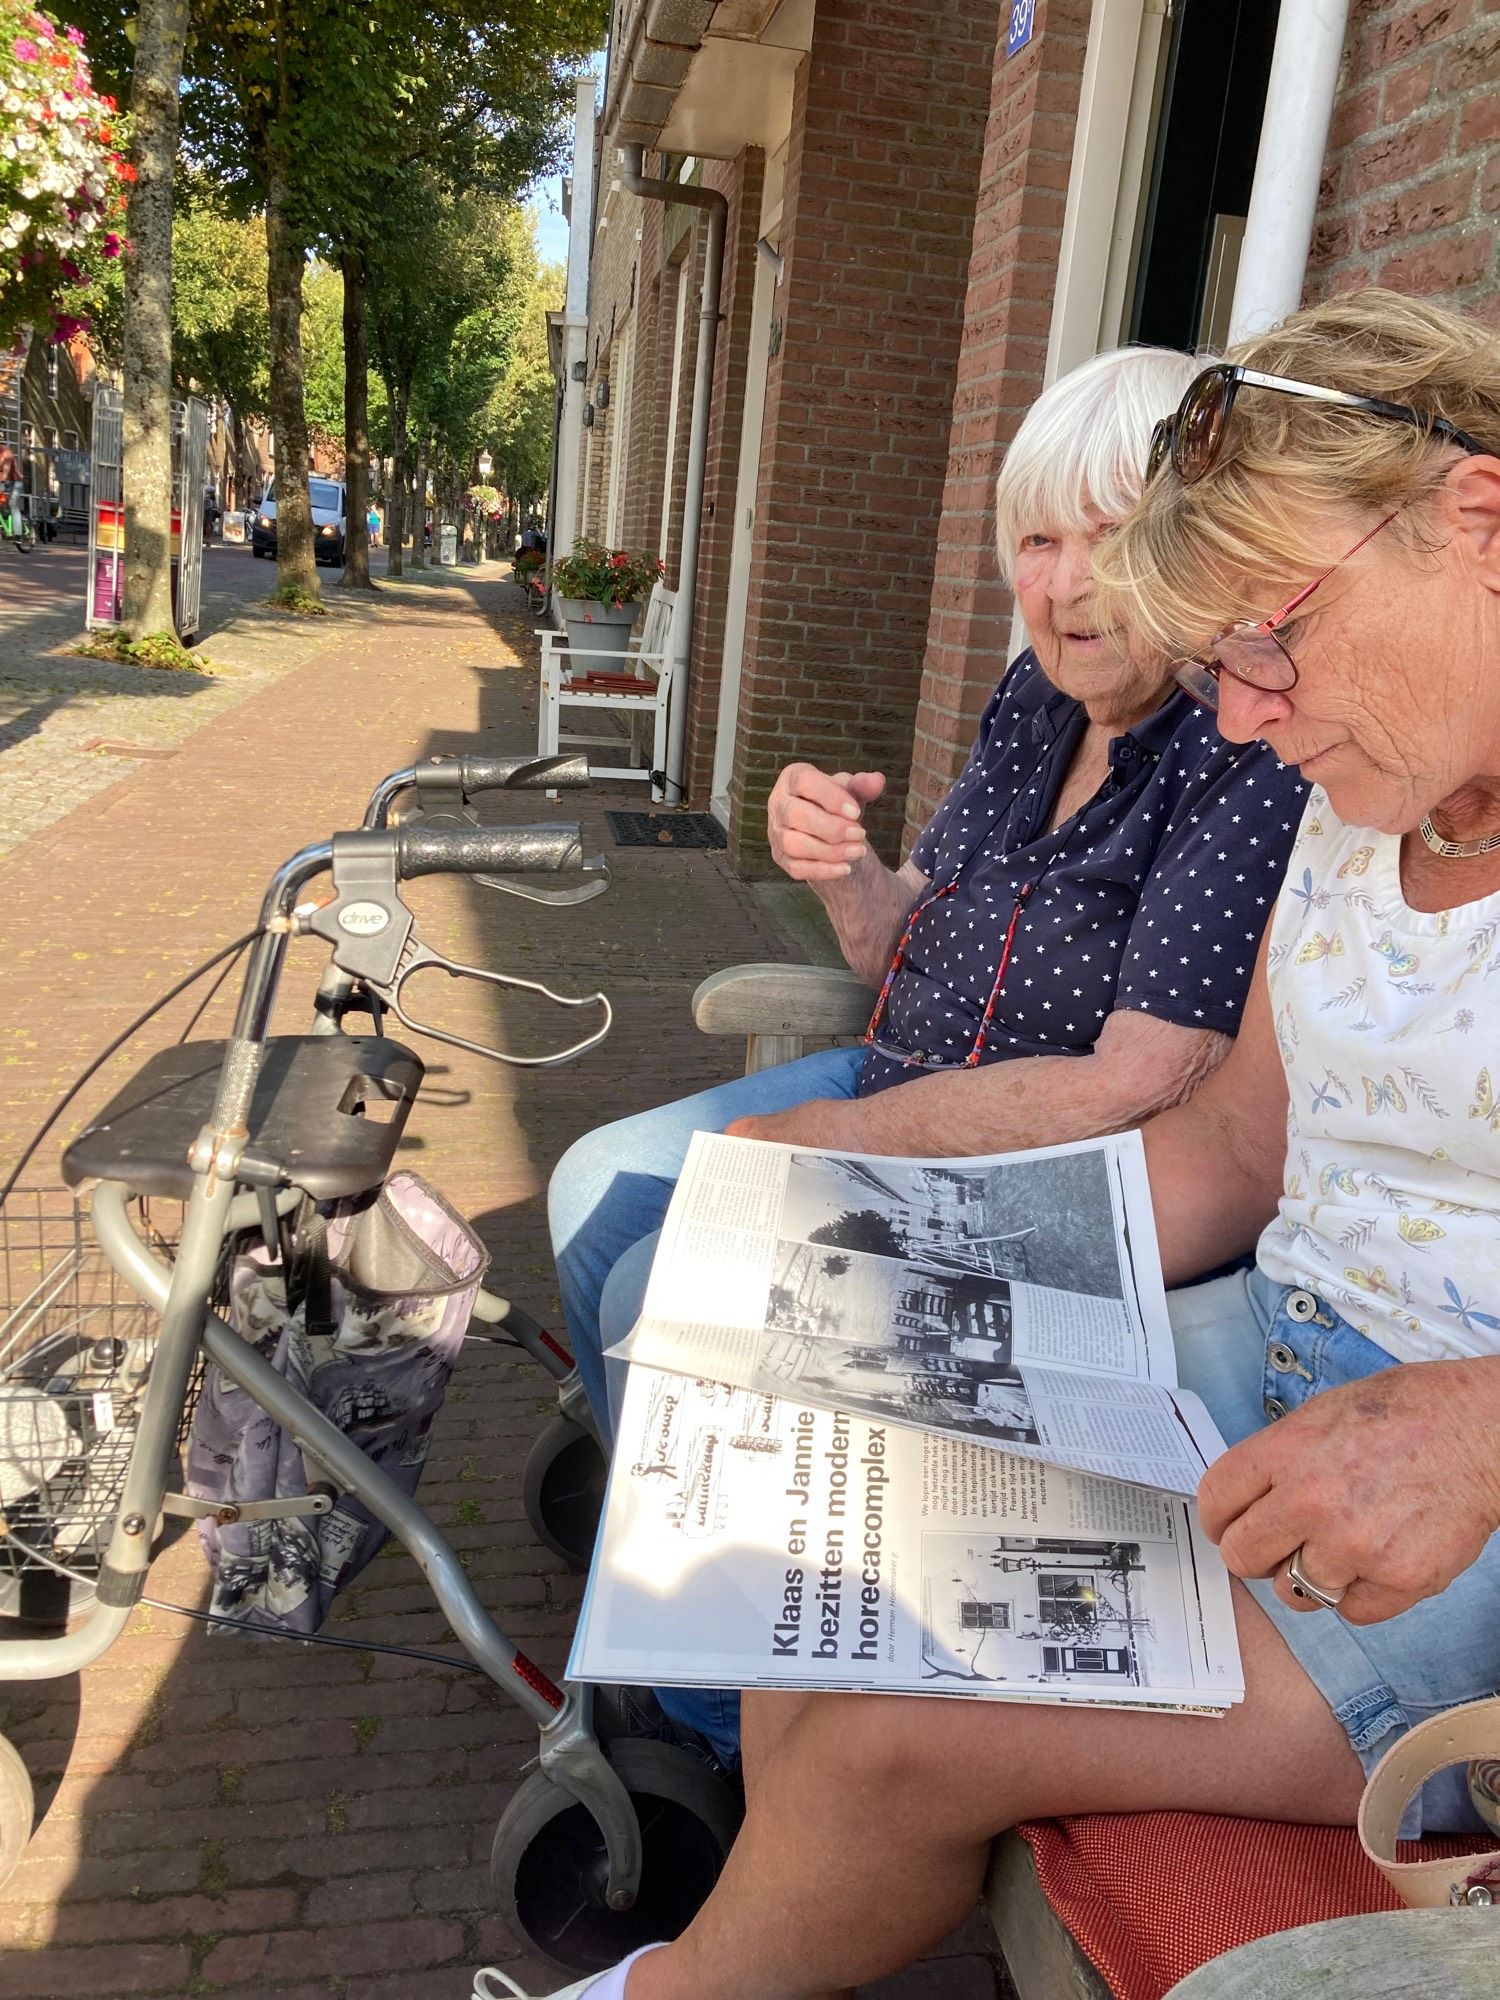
(1153, 896)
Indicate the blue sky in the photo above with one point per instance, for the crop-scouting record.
(546, 196)
(551, 229)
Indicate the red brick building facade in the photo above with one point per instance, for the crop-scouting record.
(912, 209)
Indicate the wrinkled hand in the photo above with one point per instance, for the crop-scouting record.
(819, 1122)
(816, 821)
(1390, 1487)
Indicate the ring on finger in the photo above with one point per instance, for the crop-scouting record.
(1309, 1592)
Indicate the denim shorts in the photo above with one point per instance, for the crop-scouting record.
(1253, 1350)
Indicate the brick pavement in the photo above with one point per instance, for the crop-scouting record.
(258, 1820)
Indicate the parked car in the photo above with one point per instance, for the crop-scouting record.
(330, 501)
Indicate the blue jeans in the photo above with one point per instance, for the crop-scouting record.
(612, 1187)
(605, 1204)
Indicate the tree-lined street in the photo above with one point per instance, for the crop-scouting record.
(71, 726)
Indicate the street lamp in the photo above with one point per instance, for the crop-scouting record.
(486, 465)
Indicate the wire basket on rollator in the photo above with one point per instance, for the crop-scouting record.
(75, 1353)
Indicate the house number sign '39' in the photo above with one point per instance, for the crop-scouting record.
(1022, 20)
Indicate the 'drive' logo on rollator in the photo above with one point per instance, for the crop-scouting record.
(363, 919)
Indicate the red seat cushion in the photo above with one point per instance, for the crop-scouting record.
(607, 684)
(1151, 1896)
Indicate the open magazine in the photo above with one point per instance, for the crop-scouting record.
(751, 1541)
(1015, 1301)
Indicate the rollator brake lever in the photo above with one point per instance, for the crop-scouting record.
(418, 957)
(375, 940)
(598, 868)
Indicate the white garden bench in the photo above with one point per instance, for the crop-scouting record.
(638, 686)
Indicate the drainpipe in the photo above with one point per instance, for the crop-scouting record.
(631, 160)
(1289, 164)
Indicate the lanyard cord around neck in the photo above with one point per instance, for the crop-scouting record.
(1023, 894)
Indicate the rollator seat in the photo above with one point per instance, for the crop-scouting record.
(327, 1116)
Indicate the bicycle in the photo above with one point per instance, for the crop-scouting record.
(15, 522)
(614, 1840)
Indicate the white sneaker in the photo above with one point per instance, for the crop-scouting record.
(606, 1985)
(483, 1990)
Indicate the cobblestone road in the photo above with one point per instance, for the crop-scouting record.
(253, 1822)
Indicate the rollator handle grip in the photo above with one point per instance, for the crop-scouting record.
(469, 776)
(425, 849)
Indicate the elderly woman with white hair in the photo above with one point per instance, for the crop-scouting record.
(1067, 948)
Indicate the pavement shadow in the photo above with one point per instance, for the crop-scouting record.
(668, 918)
(276, 1820)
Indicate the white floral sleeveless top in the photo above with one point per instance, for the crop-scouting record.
(1387, 1021)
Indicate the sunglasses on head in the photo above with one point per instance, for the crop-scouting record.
(1193, 436)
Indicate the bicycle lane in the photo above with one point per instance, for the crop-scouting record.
(234, 1819)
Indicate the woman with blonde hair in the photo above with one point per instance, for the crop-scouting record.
(1320, 546)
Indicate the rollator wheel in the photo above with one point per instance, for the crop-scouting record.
(17, 1808)
(43, 1600)
(563, 1490)
(549, 1870)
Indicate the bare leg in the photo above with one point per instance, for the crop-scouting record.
(765, 1720)
(867, 1833)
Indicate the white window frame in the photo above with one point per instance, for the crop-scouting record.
(622, 362)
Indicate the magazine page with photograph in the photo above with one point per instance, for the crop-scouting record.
(1015, 1301)
(750, 1541)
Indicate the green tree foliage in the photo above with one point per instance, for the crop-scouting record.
(457, 390)
(446, 300)
(323, 351)
(219, 343)
(524, 405)
(357, 132)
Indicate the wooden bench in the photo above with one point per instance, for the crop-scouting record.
(1152, 1895)
(638, 686)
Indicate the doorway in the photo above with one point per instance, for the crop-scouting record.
(1218, 66)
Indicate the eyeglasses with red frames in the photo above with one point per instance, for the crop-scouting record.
(1191, 439)
(1255, 653)
(898, 959)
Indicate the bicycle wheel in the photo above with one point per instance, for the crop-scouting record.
(548, 1864)
(25, 536)
(562, 1490)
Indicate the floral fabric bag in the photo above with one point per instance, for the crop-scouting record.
(380, 1296)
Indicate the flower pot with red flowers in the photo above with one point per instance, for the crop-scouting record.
(600, 592)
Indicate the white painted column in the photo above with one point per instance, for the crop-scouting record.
(562, 529)
(1289, 163)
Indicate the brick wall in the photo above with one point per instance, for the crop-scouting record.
(882, 172)
(643, 470)
(1411, 185)
(740, 181)
(1028, 150)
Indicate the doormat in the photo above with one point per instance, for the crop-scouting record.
(666, 829)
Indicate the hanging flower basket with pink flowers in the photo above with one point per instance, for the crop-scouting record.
(63, 175)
